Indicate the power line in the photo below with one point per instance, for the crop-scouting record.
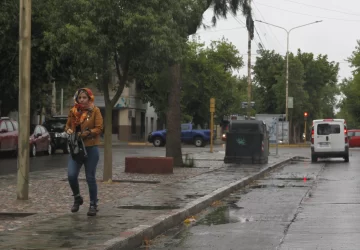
(261, 42)
(241, 22)
(322, 8)
(338, 19)
(268, 27)
(209, 31)
(259, 37)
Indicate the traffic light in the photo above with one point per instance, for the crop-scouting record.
(305, 115)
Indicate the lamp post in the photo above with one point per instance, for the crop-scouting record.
(287, 57)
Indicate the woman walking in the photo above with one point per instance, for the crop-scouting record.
(86, 120)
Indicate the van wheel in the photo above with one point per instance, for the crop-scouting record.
(346, 158)
(314, 158)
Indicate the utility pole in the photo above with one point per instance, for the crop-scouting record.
(287, 62)
(62, 102)
(249, 72)
(24, 100)
(53, 98)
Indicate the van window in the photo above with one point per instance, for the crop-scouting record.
(357, 133)
(327, 129)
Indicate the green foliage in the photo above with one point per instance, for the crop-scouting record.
(350, 88)
(312, 84)
(206, 73)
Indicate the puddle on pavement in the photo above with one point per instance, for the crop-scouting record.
(14, 216)
(221, 215)
(141, 207)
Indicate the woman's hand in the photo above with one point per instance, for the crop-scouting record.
(69, 131)
(84, 134)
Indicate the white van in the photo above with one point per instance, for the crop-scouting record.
(329, 139)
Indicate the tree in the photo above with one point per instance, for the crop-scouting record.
(350, 88)
(268, 68)
(189, 15)
(9, 26)
(312, 83)
(8, 56)
(320, 84)
(106, 36)
(207, 72)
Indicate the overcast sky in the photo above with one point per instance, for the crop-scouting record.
(336, 36)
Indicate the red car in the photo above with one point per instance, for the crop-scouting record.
(354, 138)
(8, 135)
(40, 140)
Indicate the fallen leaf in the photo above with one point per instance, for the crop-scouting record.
(216, 203)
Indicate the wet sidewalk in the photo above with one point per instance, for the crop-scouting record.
(121, 216)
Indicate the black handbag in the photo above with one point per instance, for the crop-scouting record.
(77, 148)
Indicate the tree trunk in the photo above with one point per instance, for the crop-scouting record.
(107, 174)
(173, 118)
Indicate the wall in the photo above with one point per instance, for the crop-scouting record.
(152, 123)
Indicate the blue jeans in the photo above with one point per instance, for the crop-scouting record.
(90, 164)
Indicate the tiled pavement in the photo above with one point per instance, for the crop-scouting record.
(53, 227)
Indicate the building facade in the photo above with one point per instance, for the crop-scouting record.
(132, 120)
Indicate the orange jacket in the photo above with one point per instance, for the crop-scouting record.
(94, 123)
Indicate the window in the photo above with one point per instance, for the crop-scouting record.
(152, 124)
(185, 127)
(356, 134)
(327, 129)
(133, 125)
(9, 126)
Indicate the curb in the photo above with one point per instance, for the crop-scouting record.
(134, 237)
(291, 146)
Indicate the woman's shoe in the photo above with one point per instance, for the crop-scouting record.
(78, 201)
(92, 210)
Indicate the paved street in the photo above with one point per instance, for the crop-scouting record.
(282, 211)
(8, 165)
(44, 222)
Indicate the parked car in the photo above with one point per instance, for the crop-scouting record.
(40, 141)
(56, 125)
(8, 135)
(329, 139)
(354, 138)
(198, 137)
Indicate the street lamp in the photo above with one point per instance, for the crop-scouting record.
(287, 57)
